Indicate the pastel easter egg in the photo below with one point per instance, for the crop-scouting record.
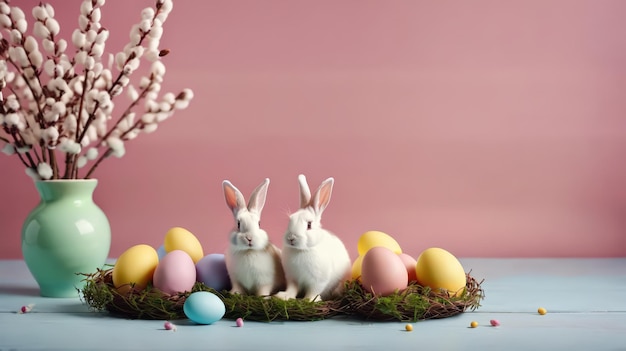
(409, 263)
(178, 238)
(356, 268)
(204, 307)
(383, 272)
(135, 268)
(440, 270)
(175, 273)
(211, 271)
(161, 251)
(374, 238)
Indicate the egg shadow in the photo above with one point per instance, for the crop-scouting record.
(184, 322)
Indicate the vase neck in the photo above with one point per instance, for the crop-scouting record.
(53, 189)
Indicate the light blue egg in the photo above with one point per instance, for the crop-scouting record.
(161, 252)
(204, 307)
(211, 270)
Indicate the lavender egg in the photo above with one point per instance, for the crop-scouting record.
(211, 271)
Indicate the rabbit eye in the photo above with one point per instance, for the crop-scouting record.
(308, 225)
(238, 225)
(259, 224)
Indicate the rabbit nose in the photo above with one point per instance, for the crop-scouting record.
(249, 240)
(291, 239)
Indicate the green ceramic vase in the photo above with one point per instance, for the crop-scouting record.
(66, 234)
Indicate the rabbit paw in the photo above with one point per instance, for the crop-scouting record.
(314, 298)
(283, 295)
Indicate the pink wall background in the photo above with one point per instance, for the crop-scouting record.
(489, 128)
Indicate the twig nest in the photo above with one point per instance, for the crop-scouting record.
(412, 304)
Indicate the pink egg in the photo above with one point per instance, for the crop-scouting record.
(175, 273)
(383, 272)
(409, 263)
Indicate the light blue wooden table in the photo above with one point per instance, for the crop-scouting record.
(585, 299)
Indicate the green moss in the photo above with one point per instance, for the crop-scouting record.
(412, 304)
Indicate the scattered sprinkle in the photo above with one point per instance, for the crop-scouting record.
(239, 322)
(408, 327)
(169, 326)
(494, 322)
(474, 324)
(27, 308)
(542, 311)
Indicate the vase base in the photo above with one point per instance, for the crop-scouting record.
(59, 291)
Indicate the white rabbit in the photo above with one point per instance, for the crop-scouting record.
(252, 261)
(315, 261)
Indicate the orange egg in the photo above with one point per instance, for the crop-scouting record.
(383, 272)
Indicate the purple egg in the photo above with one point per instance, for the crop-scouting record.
(211, 270)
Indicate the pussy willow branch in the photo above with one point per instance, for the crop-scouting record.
(36, 97)
(110, 91)
(27, 153)
(108, 152)
(53, 161)
(18, 141)
(18, 154)
(80, 134)
(143, 93)
(132, 55)
(70, 169)
(98, 161)
(3, 111)
(39, 120)
(24, 161)
(38, 116)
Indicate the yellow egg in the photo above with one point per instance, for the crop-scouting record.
(178, 238)
(439, 269)
(356, 268)
(135, 266)
(375, 238)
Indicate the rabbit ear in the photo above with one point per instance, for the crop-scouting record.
(321, 198)
(257, 199)
(305, 193)
(234, 198)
